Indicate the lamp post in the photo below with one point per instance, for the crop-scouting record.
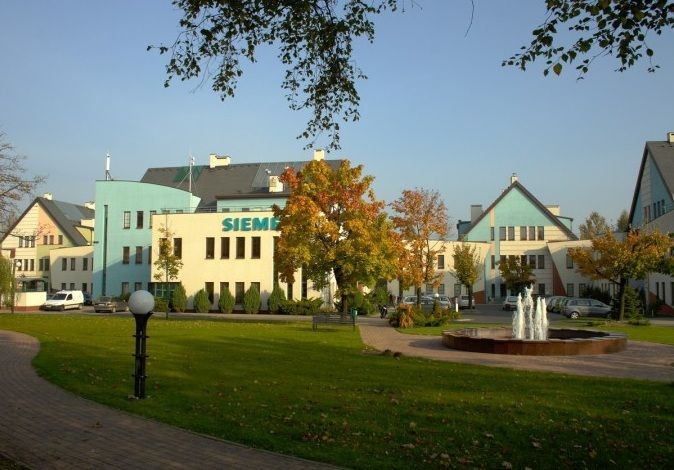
(141, 304)
(15, 264)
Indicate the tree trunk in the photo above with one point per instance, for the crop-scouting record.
(621, 296)
(470, 297)
(340, 282)
(418, 296)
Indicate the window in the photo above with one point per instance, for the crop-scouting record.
(256, 285)
(139, 219)
(60, 239)
(137, 286)
(541, 261)
(63, 286)
(51, 239)
(224, 247)
(139, 255)
(581, 289)
(21, 242)
(240, 247)
(84, 287)
(32, 264)
(127, 220)
(209, 290)
(532, 261)
(303, 285)
(441, 261)
(493, 291)
(72, 287)
(569, 262)
(72, 264)
(491, 233)
(149, 255)
(256, 249)
(569, 290)
(523, 233)
(501, 233)
(429, 289)
(493, 262)
(125, 288)
(541, 232)
(541, 289)
(178, 248)
(441, 289)
(210, 247)
(45, 240)
(238, 292)
(457, 290)
(85, 264)
(45, 264)
(532, 233)
(64, 264)
(289, 291)
(503, 290)
(523, 260)
(125, 255)
(502, 260)
(511, 233)
(224, 286)
(150, 221)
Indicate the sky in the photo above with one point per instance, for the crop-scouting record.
(438, 111)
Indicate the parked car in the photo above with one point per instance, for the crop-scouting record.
(510, 303)
(463, 301)
(64, 300)
(87, 299)
(558, 305)
(550, 302)
(576, 308)
(110, 304)
(412, 300)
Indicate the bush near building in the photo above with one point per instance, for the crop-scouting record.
(251, 300)
(179, 298)
(276, 297)
(201, 302)
(226, 302)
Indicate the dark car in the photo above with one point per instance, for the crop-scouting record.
(87, 299)
(576, 308)
(110, 304)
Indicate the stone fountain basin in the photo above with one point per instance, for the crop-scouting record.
(561, 342)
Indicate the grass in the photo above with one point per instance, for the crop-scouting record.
(320, 395)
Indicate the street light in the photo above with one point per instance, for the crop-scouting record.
(15, 264)
(141, 304)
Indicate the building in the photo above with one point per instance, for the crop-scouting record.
(45, 228)
(219, 217)
(651, 208)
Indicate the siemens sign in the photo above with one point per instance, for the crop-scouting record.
(249, 224)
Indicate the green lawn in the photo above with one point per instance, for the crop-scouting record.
(322, 396)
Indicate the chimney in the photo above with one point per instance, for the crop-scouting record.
(554, 209)
(215, 161)
(670, 137)
(90, 205)
(48, 196)
(514, 178)
(319, 154)
(475, 212)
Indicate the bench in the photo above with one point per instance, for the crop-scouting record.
(333, 318)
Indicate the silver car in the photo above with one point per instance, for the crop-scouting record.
(576, 308)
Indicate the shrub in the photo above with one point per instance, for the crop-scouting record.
(179, 298)
(275, 299)
(160, 305)
(125, 296)
(251, 300)
(226, 301)
(300, 307)
(592, 292)
(201, 302)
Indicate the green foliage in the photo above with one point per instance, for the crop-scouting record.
(160, 305)
(201, 302)
(125, 296)
(594, 226)
(226, 302)
(593, 292)
(409, 316)
(251, 300)
(633, 305)
(179, 298)
(6, 280)
(167, 264)
(516, 274)
(300, 307)
(275, 299)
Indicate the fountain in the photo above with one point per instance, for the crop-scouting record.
(530, 335)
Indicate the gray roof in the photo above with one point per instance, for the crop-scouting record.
(236, 180)
(662, 153)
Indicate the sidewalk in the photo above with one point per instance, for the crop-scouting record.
(646, 361)
(43, 426)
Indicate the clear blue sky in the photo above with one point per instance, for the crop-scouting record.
(438, 111)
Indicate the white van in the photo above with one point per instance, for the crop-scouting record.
(64, 299)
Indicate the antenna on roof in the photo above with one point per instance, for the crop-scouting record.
(189, 174)
(108, 176)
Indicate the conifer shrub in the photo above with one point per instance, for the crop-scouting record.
(276, 298)
(201, 302)
(251, 300)
(226, 302)
(179, 298)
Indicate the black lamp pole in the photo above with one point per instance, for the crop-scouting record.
(140, 355)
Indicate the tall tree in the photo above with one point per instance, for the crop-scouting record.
(168, 264)
(516, 273)
(467, 267)
(623, 223)
(421, 221)
(618, 261)
(14, 184)
(332, 222)
(6, 280)
(596, 28)
(594, 226)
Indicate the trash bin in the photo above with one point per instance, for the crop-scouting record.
(354, 314)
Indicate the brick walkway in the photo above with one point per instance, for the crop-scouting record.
(648, 361)
(43, 426)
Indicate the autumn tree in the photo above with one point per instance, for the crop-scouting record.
(618, 261)
(168, 264)
(623, 223)
(332, 222)
(594, 226)
(421, 221)
(516, 273)
(467, 267)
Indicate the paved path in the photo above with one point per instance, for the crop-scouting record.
(43, 426)
(640, 360)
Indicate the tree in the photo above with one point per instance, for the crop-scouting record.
(467, 267)
(618, 261)
(595, 225)
(516, 273)
(332, 223)
(179, 298)
(421, 222)
(6, 281)
(14, 185)
(276, 298)
(201, 302)
(623, 223)
(251, 300)
(167, 264)
(226, 302)
(616, 28)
